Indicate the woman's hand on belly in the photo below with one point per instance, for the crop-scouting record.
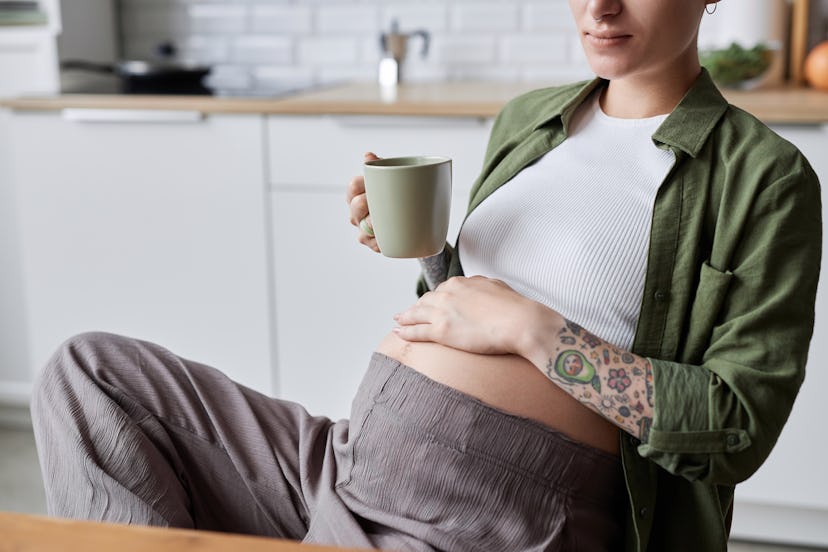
(485, 316)
(477, 315)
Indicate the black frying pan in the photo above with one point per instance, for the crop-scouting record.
(151, 77)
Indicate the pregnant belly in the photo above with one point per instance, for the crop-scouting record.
(509, 383)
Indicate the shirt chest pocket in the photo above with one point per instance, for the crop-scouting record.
(704, 312)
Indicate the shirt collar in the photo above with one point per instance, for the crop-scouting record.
(687, 127)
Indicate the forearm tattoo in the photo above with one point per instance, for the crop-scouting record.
(616, 384)
(435, 268)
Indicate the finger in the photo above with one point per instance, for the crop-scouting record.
(418, 332)
(418, 314)
(357, 184)
(440, 297)
(355, 187)
(358, 209)
(369, 242)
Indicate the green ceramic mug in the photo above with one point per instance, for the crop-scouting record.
(409, 199)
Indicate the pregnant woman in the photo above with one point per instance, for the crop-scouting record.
(613, 343)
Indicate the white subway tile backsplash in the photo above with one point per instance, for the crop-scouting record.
(534, 49)
(415, 71)
(322, 51)
(263, 42)
(282, 19)
(484, 16)
(263, 49)
(281, 76)
(458, 49)
(370, 51)
(430, 17)
(219, 18)
(340, 73)
(552, 15)
(204, 49)
(229, 77)
(351, 19)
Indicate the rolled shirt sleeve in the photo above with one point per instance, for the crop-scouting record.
(717, 421)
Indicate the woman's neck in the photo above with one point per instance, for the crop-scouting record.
(637, 97)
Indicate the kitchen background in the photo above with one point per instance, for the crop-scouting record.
(196, 211)
(253, 44)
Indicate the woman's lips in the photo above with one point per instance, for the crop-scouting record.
(606, 40)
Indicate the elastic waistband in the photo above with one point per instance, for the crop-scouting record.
(464, 422)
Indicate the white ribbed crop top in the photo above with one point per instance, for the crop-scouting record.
(572, 230)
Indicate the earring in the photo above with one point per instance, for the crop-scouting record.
(715, 5)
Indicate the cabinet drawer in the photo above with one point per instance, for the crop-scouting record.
(327, 150)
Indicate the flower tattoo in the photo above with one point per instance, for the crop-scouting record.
(618, 379)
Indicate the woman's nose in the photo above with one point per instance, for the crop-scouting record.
(600, 9)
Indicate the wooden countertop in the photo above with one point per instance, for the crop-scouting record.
(27, 533)
(458, 99)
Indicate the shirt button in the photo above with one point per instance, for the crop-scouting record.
(660, 296)
(643, 511)
(732, 440)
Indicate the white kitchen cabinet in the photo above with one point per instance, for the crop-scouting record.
(787, 499)
(335, 298)
(14, 370)
(149, 224)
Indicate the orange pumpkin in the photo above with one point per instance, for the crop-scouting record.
(816, 66)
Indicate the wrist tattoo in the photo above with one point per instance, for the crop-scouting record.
(435, 269)
(616, 384)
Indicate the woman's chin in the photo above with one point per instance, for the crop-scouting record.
(608, 70)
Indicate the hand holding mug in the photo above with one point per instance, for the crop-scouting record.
(401, 206)
(358, 207)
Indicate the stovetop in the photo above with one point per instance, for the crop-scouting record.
(74, 83)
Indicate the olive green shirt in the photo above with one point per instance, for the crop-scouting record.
(728, 307)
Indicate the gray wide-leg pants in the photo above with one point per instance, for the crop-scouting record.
(129, 432)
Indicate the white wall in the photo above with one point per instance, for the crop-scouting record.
(14, 362)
